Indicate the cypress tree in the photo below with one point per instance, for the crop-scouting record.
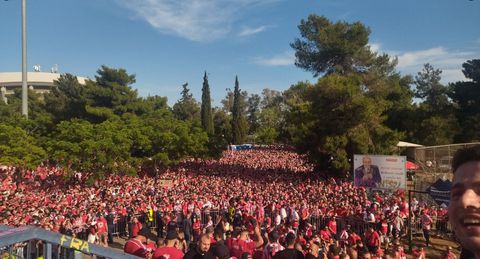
(206, 110)
(238, 119)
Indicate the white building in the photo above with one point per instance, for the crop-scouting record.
(40, 82)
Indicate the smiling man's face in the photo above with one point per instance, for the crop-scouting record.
(464, 208)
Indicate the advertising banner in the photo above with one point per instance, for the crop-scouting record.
(381, 172)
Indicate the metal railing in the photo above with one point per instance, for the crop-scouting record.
(31, 242)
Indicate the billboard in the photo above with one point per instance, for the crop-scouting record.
(381, 172)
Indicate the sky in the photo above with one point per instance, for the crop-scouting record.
(166, 43)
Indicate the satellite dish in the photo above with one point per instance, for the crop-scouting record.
(36, 68)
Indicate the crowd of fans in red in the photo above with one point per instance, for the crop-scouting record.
(266, 200)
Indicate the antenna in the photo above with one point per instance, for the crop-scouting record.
(54, 69)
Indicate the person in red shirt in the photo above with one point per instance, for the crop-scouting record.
(136, 226)
(244, 244)
(353, 238)
(102, 229)
(169, 251)
(384, 231)
(332, 227)
(325, 234)
(372, 240)
(136, 246)
(196, 226)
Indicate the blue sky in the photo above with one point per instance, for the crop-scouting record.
(166, 43)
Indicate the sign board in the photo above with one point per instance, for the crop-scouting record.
(241, 147)
(380, 172)
(440, 191)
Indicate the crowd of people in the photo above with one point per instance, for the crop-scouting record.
(269, 203)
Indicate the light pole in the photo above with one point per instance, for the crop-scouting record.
(24, 60)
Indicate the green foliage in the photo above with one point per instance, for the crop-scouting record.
(327, 47)
(206, 110)
(239, 122)
(471, 70)
(19, 148)
(253, 108)
(186, 108)
(466, 97)
(102, 127)
(335, 119)
(266, 135)
(223, 126)
(429, 88)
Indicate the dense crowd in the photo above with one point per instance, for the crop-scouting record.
(266, 200)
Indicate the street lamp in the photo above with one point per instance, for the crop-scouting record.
(24, 60)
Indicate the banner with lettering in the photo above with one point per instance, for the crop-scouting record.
(381, 172)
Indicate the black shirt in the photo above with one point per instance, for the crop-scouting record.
(289, 253)
(220, 250)
(310, 256)
(194, 254)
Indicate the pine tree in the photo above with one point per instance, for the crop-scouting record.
(206, 110)
(239, 125)
(187, 108)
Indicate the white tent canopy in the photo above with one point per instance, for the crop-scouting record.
(407, 144)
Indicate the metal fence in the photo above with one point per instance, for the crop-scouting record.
(441, 226)
(438, 159)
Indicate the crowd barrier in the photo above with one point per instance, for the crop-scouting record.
(121, 228)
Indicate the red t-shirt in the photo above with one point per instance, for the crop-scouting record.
(332, 224)
(241, 246)
(135, 247)
(325, 235)
(102, 225)
(353, 238)
(373, 239)
(384, 228)
(168, 253)
(136, 228)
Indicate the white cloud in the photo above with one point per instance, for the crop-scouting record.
(449, 61)
(375, 47)
(452, 75)
(251, 31)
(196, 20)
(285, 59)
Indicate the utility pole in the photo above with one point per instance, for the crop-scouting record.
(24, 60)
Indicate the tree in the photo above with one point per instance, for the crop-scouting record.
(239, 123)
(429, 88)
(187, 108)
(206, 110)
(336, 119)
(253, 109)
(67, 99)
(18, 148)
(113, 90)
(471, 70)
(435, 122)
(327, 47)
(466, 97)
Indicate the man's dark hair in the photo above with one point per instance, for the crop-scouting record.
(290, 239)
(465, 155)
(218, 233)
